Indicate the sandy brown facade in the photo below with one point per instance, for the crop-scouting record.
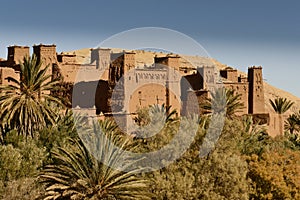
(114, 83)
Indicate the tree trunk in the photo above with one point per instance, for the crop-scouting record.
(281, 129)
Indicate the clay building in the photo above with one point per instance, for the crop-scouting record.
(9, 68)
(114, 83)
(60, 65)
(160, 81)
(129, 88)
(231, 81)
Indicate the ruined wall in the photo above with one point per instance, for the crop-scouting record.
(121, 64)
(256, 90)
(103, 60)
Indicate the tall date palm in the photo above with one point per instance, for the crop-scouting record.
(26, 104)
(93, 170)
(224, 100)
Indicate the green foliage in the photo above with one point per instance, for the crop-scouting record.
(275, 175)
(254, 138)
(292, 141)
(23, 159)
(281, 105)
(57, 135)
(23, 188)
(242, 163)
(155, 114)
(292, 124)
(79, 172)
(220, 175)
(143, 117)
(224, 101)
(27, 105)
(10, 165)
(153, 120)
(223, 176)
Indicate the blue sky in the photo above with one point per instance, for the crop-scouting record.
(237, 33)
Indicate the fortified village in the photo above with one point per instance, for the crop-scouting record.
(124, 86)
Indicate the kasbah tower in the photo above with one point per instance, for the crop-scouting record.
(164, 85)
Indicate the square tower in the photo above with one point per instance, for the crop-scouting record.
(209, 77)
(256, 91)
(46, 54)
(102, 58)
(170, 61)
(16, 54)
(230, 74)
(121, 64)
(129, 61)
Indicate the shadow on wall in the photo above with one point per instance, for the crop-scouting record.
(193, 82)
(102, 97)
(84, 94)
(91, 94)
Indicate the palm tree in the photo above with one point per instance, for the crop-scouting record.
(79, 173)
(280, 106)
(292, 123)
(151, 120)
(224, 101)
(162, 113)
(26, 104)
